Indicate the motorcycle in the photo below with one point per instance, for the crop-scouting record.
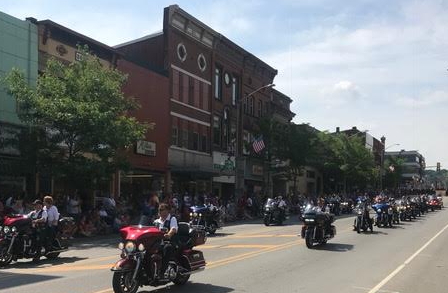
(273, 213)
(317, 226)
(141, 257)
(209, 217)
(363, 220)
(18, 240)
(384, 214)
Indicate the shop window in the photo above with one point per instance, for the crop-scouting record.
(216, 130)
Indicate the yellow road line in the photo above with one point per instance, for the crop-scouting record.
(248, 246)
(264, 236)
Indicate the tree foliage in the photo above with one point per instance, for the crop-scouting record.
(79, 114)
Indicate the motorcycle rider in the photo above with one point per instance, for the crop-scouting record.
(168, 222)
(38, 220)
(52, 220)
(281, 206)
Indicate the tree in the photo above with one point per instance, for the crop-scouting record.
(347, 157)
(78, 114)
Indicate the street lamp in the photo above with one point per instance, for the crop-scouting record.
(239, 166)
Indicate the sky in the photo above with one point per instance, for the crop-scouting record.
(379, 65)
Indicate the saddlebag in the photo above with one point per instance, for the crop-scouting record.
(198, 236)
(195, 259)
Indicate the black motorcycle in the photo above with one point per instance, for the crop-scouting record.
(273, 214)
(317, 226)
(19, 239)
(363, 221)
(206, 216)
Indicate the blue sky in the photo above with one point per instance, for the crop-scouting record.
(378, 65)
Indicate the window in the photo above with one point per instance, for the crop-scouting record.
(185, 138)
(202, 63)
(174, 136)
(235, 91)
(260, 108)
(310, 174)
(246, 142)
(204, 144)
(245, 104)
(195, 141)
(181, 52)
(216, 130)
(218, 85)
(190, 90)
(251, 105)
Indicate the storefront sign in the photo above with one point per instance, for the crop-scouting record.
(257, 170)
(146, 148)
(223, 162)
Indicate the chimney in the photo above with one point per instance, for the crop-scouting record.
(337, 129)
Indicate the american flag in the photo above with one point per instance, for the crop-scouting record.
(258, 144)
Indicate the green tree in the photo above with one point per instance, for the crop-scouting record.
(78, 114)
(347, 157)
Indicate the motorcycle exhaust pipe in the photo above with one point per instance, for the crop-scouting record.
(193, 272)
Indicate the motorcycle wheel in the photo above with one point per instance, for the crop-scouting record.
(309, 242)
(53, 255)
(212, 229)
(122, 282)
(266, 221)
(5, 257)
(358, 227)
(181, 279)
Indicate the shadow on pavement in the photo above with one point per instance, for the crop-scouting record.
(29, 264)
(337, 247)
(192, 287)
(10, 280)
(220, 234)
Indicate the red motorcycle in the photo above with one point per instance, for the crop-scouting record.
(18, 240)
(141, 257)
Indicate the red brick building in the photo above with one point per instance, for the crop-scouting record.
(149, 158)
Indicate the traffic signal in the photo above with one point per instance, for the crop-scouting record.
(438, 166)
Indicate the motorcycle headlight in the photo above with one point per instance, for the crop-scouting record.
(359, 212)
(191, 214)
(141, 247)
(129, 247)
(195, 215)
(379, 210)
(200, 215)
(14, 229)
(121, 245)
(309, 220)
(6, 229)
(268, 209)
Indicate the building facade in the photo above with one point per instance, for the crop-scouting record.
(217, 96)
(412, 167)
(18, 48)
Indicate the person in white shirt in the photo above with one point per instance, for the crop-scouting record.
(52, 219)
(168, 222)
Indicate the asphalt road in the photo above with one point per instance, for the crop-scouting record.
(250, 257)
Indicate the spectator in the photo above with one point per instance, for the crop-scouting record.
(74, 207)
(85, 227)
